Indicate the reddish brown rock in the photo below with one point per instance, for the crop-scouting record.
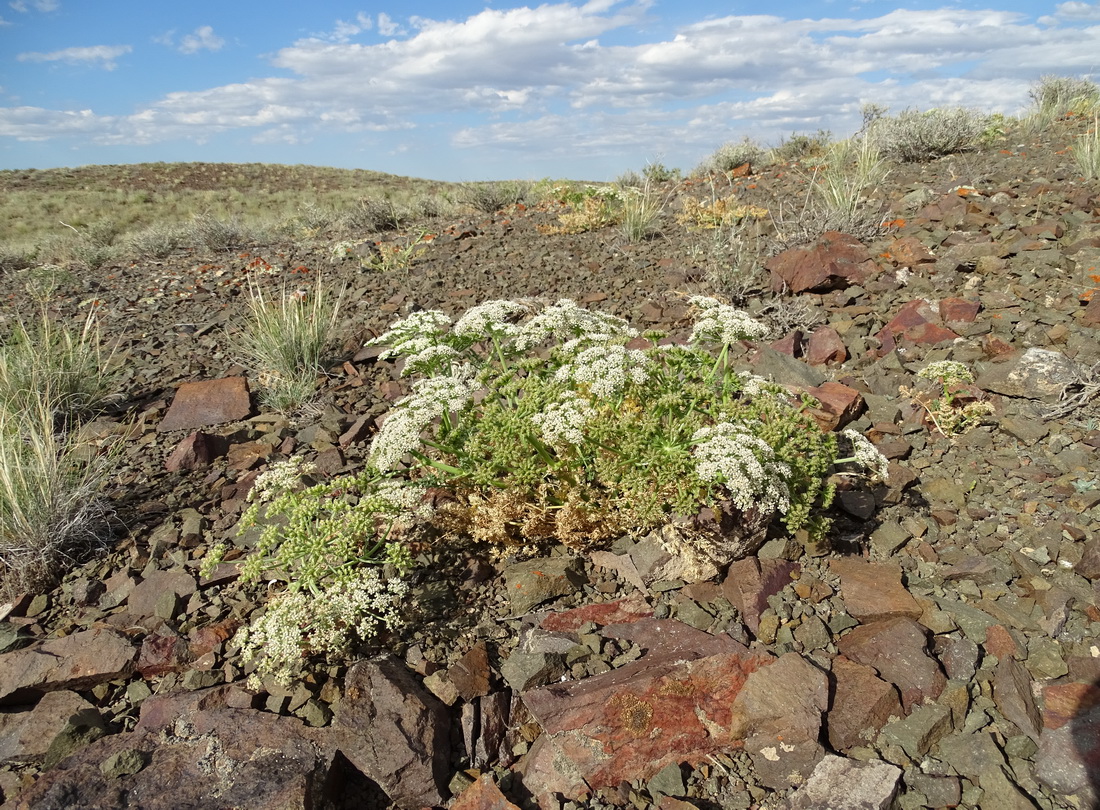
(749, 583)
(959, 310)
(483, 795)
(917, 322)
(839, 405)
(395, 732)
(162, 651)
(673, 705)
(1000, 642)
(873, 590)
(620, 611)
(835, 261)
(1069, 745)
(790, 344)
(78, 661)
(825, 346)
(26, 736)
(145, 595)
(898, 649)
(209, 402)
(196, 451)
(909, 252)
(862, 703)
(470, 673)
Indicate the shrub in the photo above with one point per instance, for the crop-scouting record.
(657, 172)
(285, 342)
(719, 212)
(544, 425)
(16, 257)
(50, 505)
(217, 234)
(374, 214)
(489, 198)
(158, 241)
(839, 191)
(641, 213)
(1056, 97)
(1086, 152)
(731, 155)
(69, 371)
(799, 146)
(399, 254)
(915, 137)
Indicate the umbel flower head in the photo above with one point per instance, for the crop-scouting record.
(720, 323)
(744, 464)
(431, 398)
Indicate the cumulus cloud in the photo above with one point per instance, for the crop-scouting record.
(39, 5)
(105, 55)
(202, 38)
(543, 80)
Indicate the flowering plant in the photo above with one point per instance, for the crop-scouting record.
(556, 422)
(959, 406)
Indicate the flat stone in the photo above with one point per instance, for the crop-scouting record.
(208, 402)
(749, 583)
(143, 598)
(897, 648)
(1041, 374)
(1012, 693)
(909, 251)
(825, 346)
(78, 661)
(483, 795)
(834, 261)
(921, 730)
(838, 405)
(395, 732)
(1068, 758)
(619, 611)
(675, 704)
(26, 736)
(862, 704)
(918, 322)
(845, 784)
(532, 582)
(197, 451)
(873, 590)
(470, 673)
(526, 670)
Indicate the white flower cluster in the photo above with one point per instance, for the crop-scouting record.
(415, 334)
(431, 398)
(563, 422)
(491, 319)
(755, 385)
(744, 464)
(722, 323)
(606, 369)
(279, 478)
(567, 320)
(950, 371)
(432, 357)
(301, 623)
(867, 455)
(342, 250)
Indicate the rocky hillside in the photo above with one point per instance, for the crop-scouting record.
(941, 649)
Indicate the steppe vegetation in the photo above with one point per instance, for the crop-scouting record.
(517, 423)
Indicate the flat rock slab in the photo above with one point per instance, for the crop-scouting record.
(844, 784)
(676, 704)
(532, 582)
(1068, 760)
(898, 649)
(78, 661)
(1037, 373)
(873, 590)
(836, 260)
(207, 402)
(182, 756)
(26, 736)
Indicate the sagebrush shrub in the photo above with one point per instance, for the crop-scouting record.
(914, 137)
(731, 155)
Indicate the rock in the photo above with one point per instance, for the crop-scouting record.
(835, 261)
(838, 405)
(862, 704)
(897, 648)
(209, 757)
(921, 730)
(873, 590)
(619, 611)
(918, 322)
(162, 651)
(492, 712)
(1012, 693)
(1069, 744)
(78, 661)
(196, 452)
(394, 732)
(781, 706)
(532, 582)
(825, 346)
(673, 705)
(483, 795)
(209, 402)
(844, 784)
(749, 583)
(26, 736)
(144, 597)
(1037, 373)
(909, 252)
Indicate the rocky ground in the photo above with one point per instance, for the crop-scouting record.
(943, 650)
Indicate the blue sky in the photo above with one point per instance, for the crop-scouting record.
(462, 90)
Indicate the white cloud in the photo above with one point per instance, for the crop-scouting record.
(104, 54)
(539, 80)
(4, 22)
(202, 39)
(39, 5)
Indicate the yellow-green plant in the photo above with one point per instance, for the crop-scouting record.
(400, 254)
(641, 213)
(955, 409)
(284, 341)
(1086, 152)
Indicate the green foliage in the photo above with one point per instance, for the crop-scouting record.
(575, 437)
(731, 155)
(1086, 152)
(800, 146)
(285, 342)
(1055, 97)
(641, 213)
(956, 408)
(490, 197)
(916, 137)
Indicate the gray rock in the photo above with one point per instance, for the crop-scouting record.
(532, 582)
(921, 730)
(1037, 373)
(74, 662)
(845, 784)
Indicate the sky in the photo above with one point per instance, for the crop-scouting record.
(458, 90)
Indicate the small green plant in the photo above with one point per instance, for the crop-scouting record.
(374, 214)
(956, 408)
(157, 241)
(1055, 97)
(657, 172)
(328, 542)
(840, 187)
(490, 197)
(801, 146)
(284, 342)
(718, 212)
(219, 234)
(916, 137)
(1086, 152)
(574, 437)
(51, 509)
(399, 254)
(43, 281)
(590, 208)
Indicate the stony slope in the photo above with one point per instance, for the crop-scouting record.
(943, 651)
